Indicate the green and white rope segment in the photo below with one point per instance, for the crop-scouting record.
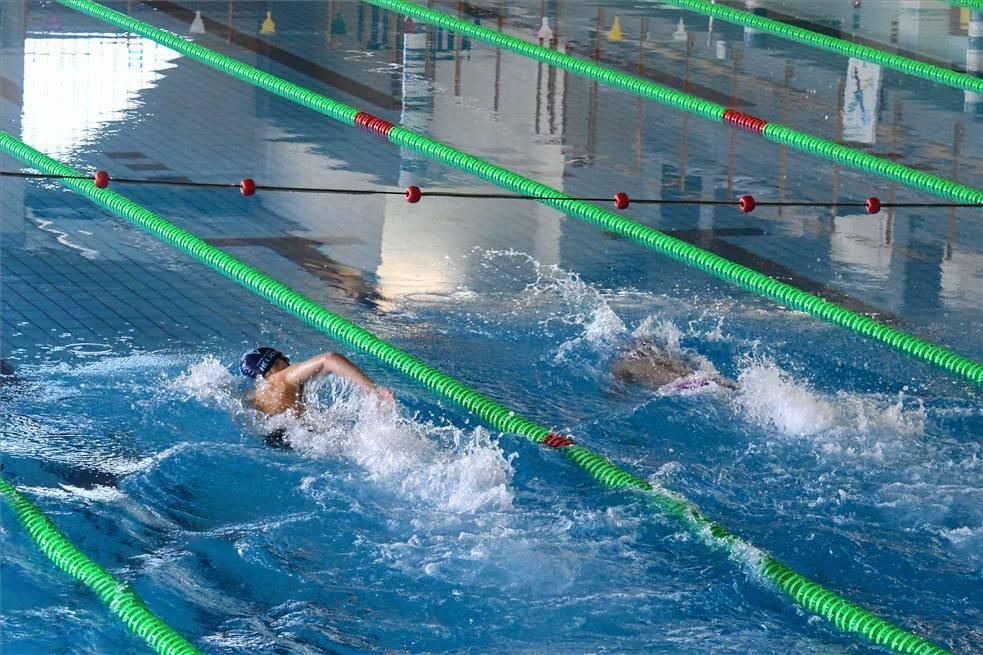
(677, 249)
(117, 595)
(777, 133)
(810, 595)
(968, 4)
(832, 44)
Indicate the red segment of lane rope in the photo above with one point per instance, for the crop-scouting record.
(413, 193)
(101, 180)
(247, 187)
(873, 205)
(373, 123)
(621, 200)
(554, 440)
(744, 121)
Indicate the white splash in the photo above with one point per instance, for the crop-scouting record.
(454, 470)
(663, 332)
(770, 397)
(963, 535)
(842, 423)
(207, 380)
(580, 304)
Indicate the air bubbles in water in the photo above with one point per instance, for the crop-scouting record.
(206, 381)
(771, 397)
(453, 469)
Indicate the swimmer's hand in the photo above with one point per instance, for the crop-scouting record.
(385, 395)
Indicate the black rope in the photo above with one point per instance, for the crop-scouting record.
(481, 196)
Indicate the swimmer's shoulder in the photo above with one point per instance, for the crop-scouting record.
(258, 400)
(276, 395)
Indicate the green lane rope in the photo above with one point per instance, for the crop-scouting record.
(807, 593)
(863, 161)
(969, 4)
(677, 99)
(660, 242)
(832, 44)
(117, 595)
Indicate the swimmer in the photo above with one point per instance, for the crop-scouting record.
(651, 366)
(280, 384)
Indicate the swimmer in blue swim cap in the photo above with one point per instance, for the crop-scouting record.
(280, 384)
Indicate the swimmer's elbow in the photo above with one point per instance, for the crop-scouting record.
(330, 362)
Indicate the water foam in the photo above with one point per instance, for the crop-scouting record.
(771, 397)
(443, 466)
(207, 380)
(603, 331)
(652, 328)
(580, 304)
(968, 541)
(67, 492)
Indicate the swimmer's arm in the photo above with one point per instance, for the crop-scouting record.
(332, 364)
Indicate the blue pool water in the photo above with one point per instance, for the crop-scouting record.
(416, 529)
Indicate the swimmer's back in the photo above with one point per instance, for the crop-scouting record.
(649, 365)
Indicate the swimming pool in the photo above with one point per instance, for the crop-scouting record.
(425, 531)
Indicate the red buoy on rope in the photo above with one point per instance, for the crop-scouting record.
(621, 200)
(102, 179)
(747, 204)
(873, 205)
(247, 187)
(413, 193)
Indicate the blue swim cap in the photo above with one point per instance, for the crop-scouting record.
(259, 361)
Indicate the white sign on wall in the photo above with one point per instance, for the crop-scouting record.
(863, 89)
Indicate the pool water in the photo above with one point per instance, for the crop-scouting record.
(414, 528)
